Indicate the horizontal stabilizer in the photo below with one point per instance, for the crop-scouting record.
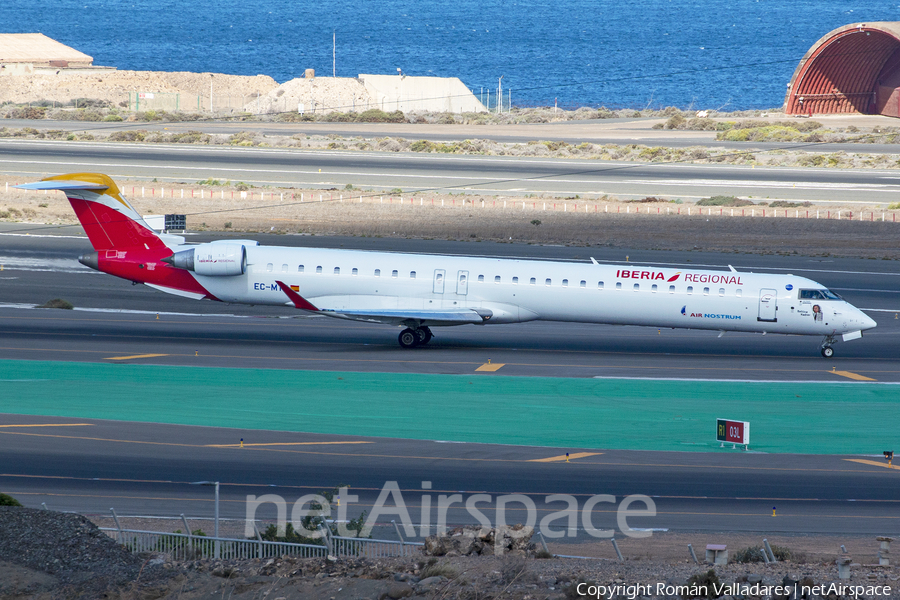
(62, 185)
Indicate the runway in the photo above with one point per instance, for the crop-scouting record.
(146, 469)
(420, 172)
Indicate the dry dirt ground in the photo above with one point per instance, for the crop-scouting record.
(603, 222)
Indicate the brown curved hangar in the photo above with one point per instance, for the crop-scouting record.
(853, 69)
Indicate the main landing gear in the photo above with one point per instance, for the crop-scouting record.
(827, 350)
(410, 338)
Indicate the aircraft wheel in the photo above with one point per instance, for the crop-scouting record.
(424, 334)
(408, 338)
(827, 351)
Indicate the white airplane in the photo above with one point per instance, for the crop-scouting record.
(418, 292)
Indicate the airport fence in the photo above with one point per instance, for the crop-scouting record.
(206, 103)
(584, 206)
(187, 546)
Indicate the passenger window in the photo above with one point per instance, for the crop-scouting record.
(583, 283)
(269, 267)
(412, 274)
(690, 289)
(671, 289)
(532, 281)
(515, 280)
(300, 269)
(337, 270)
(481, 278)
(319, 269)
(653, 288)
(599, 285)
(706, 291)
(721, 291)
(354, 272)
(496, 279)
(738, 292)
(637, 287)
(618, 285)
(548, 282)
(377, 272)
(565, 283)
(394, 273)
(284, 268)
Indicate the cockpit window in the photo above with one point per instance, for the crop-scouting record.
(818, 295)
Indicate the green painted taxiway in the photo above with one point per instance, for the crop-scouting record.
(637, 414)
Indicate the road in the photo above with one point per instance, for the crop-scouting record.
(413, 173)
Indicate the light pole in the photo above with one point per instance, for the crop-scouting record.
(216, 551)
(500, 95)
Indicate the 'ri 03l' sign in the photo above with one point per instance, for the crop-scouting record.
(733, 432)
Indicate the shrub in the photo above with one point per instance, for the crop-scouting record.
(724, 201)
(748, 555)
(57, 303)
(705, 581)
(438, 570)
(111, 118)
(675, 121)
(211, 181)
(894, 206)
(786, 204)
(375, 115)
(127, 136)
(28, 112)
(7, 500)
(755, 555)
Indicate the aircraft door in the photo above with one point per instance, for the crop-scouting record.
(439, 275)
(462, 283)
(768, 305)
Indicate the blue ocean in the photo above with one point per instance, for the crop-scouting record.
(721, 54)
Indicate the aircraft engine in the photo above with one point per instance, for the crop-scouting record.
(214, 259)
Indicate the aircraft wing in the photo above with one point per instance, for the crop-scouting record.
(419, 317)
(391, 316)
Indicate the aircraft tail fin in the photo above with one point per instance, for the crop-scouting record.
(109, 220)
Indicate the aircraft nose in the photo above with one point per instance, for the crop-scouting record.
(866, 321)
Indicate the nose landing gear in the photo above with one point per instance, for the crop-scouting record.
(410, 338)
(827, 350)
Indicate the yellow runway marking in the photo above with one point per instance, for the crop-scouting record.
(490, 367)
(52, 425)
(874, 463)
(564, 457)
(284, 444)
(134, 356)
(855, 376)
(444, 458)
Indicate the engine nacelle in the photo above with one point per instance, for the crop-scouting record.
(213, 259)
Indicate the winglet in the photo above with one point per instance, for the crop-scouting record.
(298, 300)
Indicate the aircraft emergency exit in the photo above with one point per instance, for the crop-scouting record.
(418, 292)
